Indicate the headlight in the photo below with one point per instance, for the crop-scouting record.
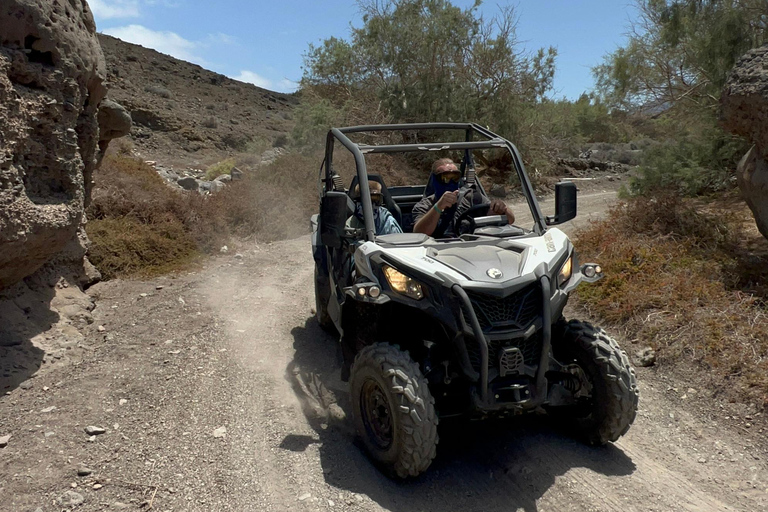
(401, 283)
(565, 271)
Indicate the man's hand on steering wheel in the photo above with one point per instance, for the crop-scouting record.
(498, 207)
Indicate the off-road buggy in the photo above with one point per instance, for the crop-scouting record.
(468, 326)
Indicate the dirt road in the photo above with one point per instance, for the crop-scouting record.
(219, 392)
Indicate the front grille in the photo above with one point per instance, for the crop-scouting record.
(530, 348)
(516, 311)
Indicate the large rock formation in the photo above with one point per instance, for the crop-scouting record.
(52, 74)
(744, 111)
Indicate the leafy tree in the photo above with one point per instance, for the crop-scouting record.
(680, 52)
(673, 69)
(428, 60)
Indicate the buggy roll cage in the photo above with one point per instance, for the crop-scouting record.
(490, 141)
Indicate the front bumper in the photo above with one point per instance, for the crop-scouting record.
(528, 393)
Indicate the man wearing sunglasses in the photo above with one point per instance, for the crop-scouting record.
(383, 221)
(436, 215)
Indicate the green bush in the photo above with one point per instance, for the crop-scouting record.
(691, 166)
(219, 168)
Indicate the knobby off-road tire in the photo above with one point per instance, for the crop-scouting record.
(322, 296)
(394, 411)
(613, 405)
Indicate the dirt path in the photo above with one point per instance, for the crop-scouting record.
(235, 347)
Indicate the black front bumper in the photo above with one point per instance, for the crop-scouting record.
(493, 393)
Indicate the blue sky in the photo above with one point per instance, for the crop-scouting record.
(263, 42)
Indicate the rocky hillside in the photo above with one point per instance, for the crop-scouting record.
(184, 115)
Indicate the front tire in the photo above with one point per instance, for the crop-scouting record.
(394, 411)
(610, 407)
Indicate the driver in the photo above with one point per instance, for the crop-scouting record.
(436, 215)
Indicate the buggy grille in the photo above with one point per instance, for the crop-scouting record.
(516, 311)
(530, 348)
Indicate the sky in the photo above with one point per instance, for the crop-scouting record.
(262, 42)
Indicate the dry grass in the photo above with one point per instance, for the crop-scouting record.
(683, 280)
(139, 225)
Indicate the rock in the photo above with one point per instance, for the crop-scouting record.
(270, 155)
(238, 256)
(498, 191)
(216, 186)
(52, 75)
(188, 183)
(224, 178)
(84, 471)
(26, 385)
(236, 174)
(48, 409)
(101, 328)
(224, 249)
(305, 496)
(744, 111)
(114, 121)
(94, 431)
(646, 357)
(96, 487)
(220, 432)
(70, 499)
(4, 440)
(123, 401)
(119, 505)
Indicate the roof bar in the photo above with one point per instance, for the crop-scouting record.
(405, 126)
(432, 146)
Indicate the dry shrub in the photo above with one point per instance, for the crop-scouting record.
(127, 246)
(139, 225)
(669, 283)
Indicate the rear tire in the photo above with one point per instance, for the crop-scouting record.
(394, 411)
(608, 413)
(322, 296)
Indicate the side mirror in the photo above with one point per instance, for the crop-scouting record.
(333, 218)
(565, 203)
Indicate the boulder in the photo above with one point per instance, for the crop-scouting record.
(114, 121)
(744, 111)
(188, 183)
(52, 76)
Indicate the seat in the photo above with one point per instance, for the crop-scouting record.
(390, 203)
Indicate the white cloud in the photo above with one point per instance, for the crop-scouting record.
(169, 43)
(253, 78)
(109, 9)
(250, 77)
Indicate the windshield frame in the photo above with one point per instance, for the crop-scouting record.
(489, 140)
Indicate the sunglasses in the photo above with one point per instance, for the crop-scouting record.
(448, 177)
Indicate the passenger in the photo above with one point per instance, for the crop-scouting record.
(383, 221)
(436, 215)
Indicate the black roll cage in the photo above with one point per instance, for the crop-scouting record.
(490, 141)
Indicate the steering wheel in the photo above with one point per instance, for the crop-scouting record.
(470, 215)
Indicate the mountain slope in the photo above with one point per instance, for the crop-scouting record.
(186, 115)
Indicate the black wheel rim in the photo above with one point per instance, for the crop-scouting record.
(376, 414)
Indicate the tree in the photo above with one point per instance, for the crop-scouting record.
(673, 68)
(428, 60)
(679, 53)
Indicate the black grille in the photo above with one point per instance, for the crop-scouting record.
(516, 311)
(531, 349)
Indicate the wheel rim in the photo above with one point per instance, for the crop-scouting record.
(376, 414)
